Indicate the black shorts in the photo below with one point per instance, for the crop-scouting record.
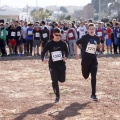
(88, 66)
(7, 40)
(58, 72)
(24, 41)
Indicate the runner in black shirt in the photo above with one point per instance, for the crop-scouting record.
(44, 37)
(12, 39)
(19, 39)
(89, 44)
(58, 53)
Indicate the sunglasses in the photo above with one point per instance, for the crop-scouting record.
(57, 35)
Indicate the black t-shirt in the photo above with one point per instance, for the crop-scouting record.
(18, 32)
(57, 51)
(44, 35)
(88, 43)
(12, 33)
(36, 33)
(65, 28)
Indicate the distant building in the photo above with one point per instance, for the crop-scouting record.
(9, 16)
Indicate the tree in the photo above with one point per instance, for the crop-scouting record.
(104, 5)
(68, 17)
(115, 5)
(63, 9)
(40, 14)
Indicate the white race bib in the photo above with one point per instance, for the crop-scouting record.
(30, 32)
(44, 35)
(118, 35)
(2, 33)
(56, 56)
(18, 33)
(63, 36)
(106, 36)
(82, 33)
(99, 34)
(13, 34)
(91, 48)
(70, 35)
(37, 35)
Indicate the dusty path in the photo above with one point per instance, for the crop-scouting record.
(26, 93)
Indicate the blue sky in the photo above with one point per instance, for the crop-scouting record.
(43, 3)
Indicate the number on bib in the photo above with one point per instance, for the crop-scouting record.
(56, 56)
(18, 33)
(70, 35)
(44, 35)
(13, 34)
(29, 32)
(106, 36)
(118, 35)
(91, 48)
(99, 34)
(37, 35)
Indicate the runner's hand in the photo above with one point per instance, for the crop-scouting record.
(45, 61)
(64, 59)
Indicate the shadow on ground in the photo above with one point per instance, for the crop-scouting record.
(70, 111)
(36, 110)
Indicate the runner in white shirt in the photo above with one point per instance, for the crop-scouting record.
(81, 30)
(24, 30)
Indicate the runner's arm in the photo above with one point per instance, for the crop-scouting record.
(99, 44)
(66, 50)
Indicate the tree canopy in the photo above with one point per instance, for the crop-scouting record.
(40, 14)
(104, 4)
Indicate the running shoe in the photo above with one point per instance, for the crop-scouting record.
(94, 98)
(57, 99)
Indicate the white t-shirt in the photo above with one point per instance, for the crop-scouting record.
(82, 31)
(24, 30)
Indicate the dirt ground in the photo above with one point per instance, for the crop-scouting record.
(26, 92)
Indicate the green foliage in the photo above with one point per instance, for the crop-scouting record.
(68, 17)
(63, 9)
(40, 14)
(104, 5)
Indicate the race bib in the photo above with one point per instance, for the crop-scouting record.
(91, 48)
(82, 33)
(37, 35)
(118, 35)
(106, 36)
(30, 32)
(13, 34)
(2, 33)
(18, 33)
(44, 35)
(70, 35)
(99, 34)
(56, 56)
